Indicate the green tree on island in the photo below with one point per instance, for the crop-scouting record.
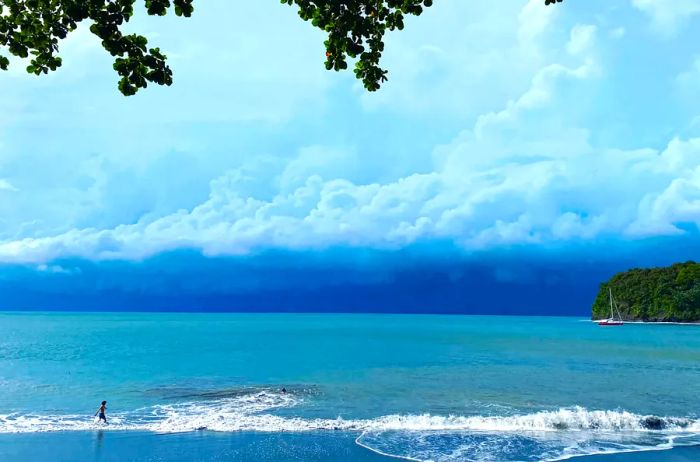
(34, 28)
(670, 294)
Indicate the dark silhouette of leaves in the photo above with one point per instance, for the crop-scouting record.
(33, 28)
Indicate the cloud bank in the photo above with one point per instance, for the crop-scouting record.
(550, 160)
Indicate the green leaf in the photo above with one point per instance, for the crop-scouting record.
(354, 29)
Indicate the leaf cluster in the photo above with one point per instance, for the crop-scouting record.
(356, 29)
(33, 28)
(657, 294)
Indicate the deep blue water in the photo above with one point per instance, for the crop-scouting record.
(442, 388)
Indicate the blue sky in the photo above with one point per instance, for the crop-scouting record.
(510, 136)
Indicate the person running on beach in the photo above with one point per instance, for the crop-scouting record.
(101, 411)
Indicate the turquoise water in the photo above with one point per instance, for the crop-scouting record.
(439, 388)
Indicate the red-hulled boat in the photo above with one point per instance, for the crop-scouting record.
(610, 322)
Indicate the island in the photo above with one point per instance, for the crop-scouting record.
(668, 294)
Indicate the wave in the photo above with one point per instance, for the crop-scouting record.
(249, 412)
(199, 394)
(546, 435)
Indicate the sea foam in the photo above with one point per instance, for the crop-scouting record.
(253, 412)
(545, 435)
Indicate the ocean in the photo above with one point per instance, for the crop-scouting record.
(208, 387)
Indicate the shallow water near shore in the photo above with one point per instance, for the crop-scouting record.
(360, 387)
(104, 446)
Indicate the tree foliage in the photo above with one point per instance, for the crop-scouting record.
(657, 294)
(33, 29)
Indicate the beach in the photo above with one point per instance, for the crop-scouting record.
(201, 447)
(358, 387)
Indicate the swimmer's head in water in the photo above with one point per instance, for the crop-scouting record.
(104, 402)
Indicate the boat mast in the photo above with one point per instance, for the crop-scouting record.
(612, 315)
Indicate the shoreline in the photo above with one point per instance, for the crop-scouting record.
(654, 323)
(104, 446)
(675, 454)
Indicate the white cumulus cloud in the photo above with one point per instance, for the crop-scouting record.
(535, 164)
(518, 176)
(582, 39)
(668, 15)
(527, 200)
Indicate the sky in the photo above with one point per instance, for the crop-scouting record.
(518, 156)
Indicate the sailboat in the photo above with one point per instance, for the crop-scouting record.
(611, 321)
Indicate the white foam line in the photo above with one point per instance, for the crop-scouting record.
(669, 445)
(247, 414)
(385, 454)
(253, 413)
(661, 447)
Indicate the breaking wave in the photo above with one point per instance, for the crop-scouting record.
(547, 435)
(249, 413)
